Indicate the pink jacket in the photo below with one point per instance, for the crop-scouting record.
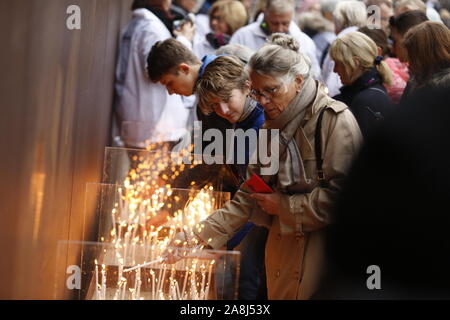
(400, 76)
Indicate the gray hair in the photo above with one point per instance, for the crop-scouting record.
(314, 21)
(350, 13)
(280, 6)
(280, 58)
(328, 5)
(242, 52)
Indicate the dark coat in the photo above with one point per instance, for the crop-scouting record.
(367, 99)
(394, 209)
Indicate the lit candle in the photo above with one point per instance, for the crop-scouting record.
(202, 287)
(103, 282)
(161, 288)
(96, 281)
(152, 273)
(178, 290)
(113, 214)
(186, 275)
(139, 283)
(209, 278)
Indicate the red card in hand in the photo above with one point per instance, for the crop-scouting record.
(256, 184)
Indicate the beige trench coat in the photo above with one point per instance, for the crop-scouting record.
(295, 245)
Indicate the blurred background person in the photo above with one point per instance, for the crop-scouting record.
(392, 212)
(399, 26)
(242, 52)
(202, 18)
(146, 113)
(323, 40)
(181, 8)
(225, 17)
(428, 48)
(444, 11)
(400, 73)
(348, 16)
(410, 5)
(319, 29)
(278, 15)
(363, 72)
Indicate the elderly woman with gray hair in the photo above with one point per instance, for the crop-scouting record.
(318, 138)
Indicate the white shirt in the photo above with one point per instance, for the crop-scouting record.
(145, 110)
(253, 37)
(202, 47)
(330, 78)
(199, 45)
(202, 26)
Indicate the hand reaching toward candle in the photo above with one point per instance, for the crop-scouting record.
(269, 202)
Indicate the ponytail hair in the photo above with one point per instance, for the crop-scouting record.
(355, 46)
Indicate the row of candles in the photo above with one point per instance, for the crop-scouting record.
(196, 283)
(141, 198)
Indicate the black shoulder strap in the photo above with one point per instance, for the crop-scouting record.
(318, 147)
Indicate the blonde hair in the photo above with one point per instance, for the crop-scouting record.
(409, 5)
(350, 13)
(280, 58)
(357, 45)
(233, 13)
(221, 76)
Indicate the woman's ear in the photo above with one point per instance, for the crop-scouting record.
(379, 51)
(299, 82)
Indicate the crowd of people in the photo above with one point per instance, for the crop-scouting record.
(331, 76)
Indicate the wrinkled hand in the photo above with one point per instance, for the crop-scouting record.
(187, 30)
(269, 202)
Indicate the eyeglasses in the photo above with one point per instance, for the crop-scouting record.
(268, 93)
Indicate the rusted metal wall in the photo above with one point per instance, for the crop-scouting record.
(56, 91)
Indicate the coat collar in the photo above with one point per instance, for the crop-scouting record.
(289, 120)
(368, 79)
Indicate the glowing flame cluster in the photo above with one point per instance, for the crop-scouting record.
(145, 192)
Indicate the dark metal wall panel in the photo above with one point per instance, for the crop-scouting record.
(56, 90)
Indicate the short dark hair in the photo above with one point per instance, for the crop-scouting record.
(167, 55)
(378, 36)
(407, 20)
